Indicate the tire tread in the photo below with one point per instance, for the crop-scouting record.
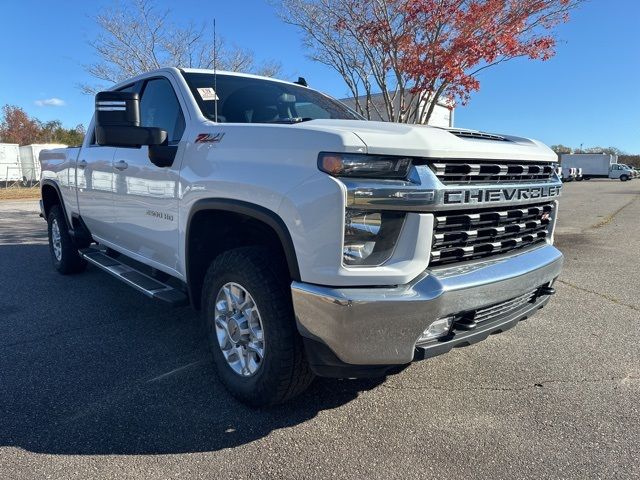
(293, 372)
(71, 261)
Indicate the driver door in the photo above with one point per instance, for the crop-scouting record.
(146, 196)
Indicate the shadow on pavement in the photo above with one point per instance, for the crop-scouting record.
(89, 366)
(17, 228)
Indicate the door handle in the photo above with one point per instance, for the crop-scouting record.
(120, 165)
(82, 164)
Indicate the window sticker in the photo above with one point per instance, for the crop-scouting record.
(208, 93)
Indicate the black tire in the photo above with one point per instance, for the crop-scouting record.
(69, 260)
(579, 179)
(624, 178)
(283, 372)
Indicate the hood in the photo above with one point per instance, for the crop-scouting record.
(386, 138)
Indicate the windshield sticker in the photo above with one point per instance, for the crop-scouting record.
(207, 93)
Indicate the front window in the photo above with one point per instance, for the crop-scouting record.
(159, 108)
(255, 100)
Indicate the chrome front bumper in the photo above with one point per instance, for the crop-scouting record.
(380, 326)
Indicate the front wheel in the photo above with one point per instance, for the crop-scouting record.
(64, 253)
(251, 329)
(624, 178)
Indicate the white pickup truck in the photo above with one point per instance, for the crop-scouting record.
(313, 242)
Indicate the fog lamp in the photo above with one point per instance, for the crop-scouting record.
(437, 329)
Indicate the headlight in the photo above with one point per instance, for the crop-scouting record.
(370, 237)
(364, 166)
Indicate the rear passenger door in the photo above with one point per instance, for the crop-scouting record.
(95, 184)
(146, 196)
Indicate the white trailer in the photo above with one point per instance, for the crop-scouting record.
(10, 168)
(29, 160)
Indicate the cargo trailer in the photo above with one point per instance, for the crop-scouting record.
(10, 168)
(30, 162)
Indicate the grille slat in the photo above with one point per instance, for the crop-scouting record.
(461, 236)
(487, 171)
(504, 307)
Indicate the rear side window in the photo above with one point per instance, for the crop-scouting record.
(159, 108)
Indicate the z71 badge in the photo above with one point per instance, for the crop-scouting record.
(209, 137)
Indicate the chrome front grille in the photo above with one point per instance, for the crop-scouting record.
(503, 308)
(487, 171)
(469, 234)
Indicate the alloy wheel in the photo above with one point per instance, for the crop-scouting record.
(239, 329)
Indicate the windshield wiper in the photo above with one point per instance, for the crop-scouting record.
(291, 120)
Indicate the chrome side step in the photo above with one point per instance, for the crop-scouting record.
(143, 283)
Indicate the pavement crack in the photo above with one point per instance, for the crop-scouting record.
(178, 370)
(609, 218)
(627, 379)
(602, 295)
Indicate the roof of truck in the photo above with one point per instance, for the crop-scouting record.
(196, 70)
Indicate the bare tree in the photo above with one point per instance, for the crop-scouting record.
(339, 49)
(137, 37)
(415, 52)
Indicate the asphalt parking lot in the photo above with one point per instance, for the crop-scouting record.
(96, 381)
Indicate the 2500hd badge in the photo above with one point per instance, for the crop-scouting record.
(491, 195)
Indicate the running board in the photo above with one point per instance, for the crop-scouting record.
(143, 283)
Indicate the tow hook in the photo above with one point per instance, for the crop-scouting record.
(466, 324)
(546, 291)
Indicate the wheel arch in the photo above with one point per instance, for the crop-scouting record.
(217, 210)
(51, 195)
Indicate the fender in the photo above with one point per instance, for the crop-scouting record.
(77, 228)
(58, 192)
(262, 214)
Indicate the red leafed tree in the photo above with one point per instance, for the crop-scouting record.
(17, 127)
(416, 51)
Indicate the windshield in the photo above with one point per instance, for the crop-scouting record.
(255, 100)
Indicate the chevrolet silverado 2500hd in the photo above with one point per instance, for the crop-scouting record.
(314, 242)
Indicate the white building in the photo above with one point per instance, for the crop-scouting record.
(442, 115)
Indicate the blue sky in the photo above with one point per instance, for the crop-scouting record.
(588, 94)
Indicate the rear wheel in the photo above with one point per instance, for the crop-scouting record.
(64, 252)
(248, 315)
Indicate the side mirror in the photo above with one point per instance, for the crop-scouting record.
(117, 122)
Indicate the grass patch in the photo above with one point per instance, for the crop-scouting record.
(15, 193)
